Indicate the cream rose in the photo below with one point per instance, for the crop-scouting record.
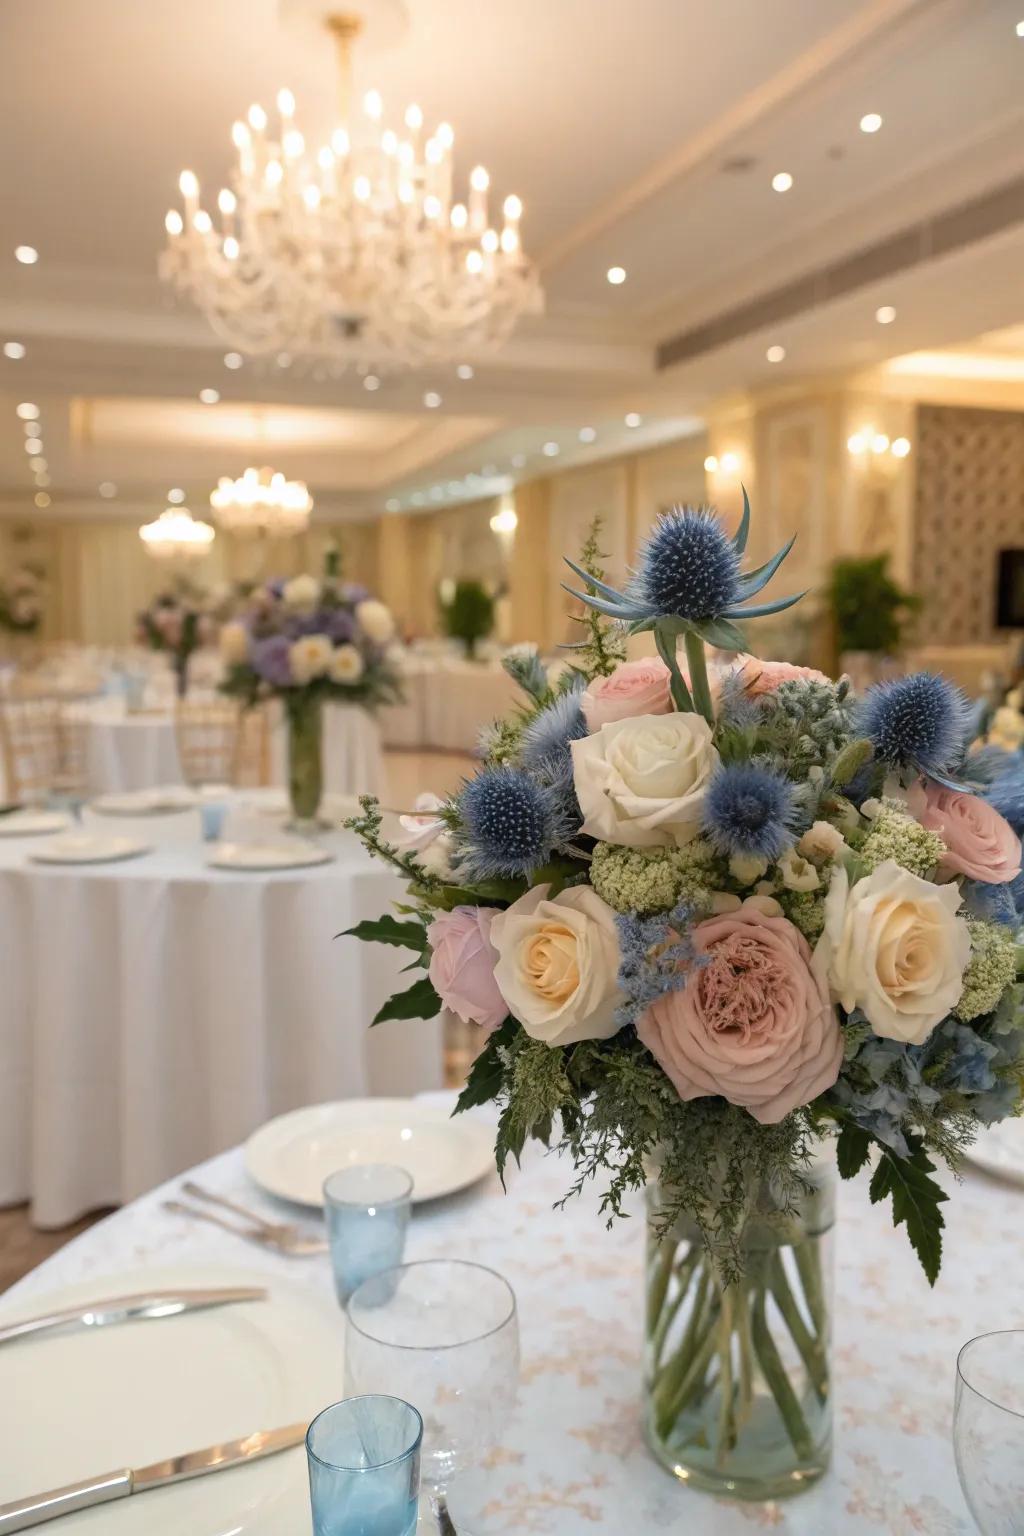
(233, 643)
(894, 947)
(558, 960)
(375, 621)
(309, 657)
(302, 593)
(641, 782)
(346, 665)
(821, 842)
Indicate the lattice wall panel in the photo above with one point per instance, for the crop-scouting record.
(969, 505)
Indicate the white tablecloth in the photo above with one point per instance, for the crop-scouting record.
(157, 1011)
(128, 751)
(448, 701)
(353, 757)
(572, 1462)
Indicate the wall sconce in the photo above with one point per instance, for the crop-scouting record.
(728, 464)
(867, 440)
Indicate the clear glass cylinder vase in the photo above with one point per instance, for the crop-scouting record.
(738, 1369)
(305, 758)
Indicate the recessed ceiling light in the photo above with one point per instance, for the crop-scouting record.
(587, 434)
(107, 489)
(176, 496)
(436, 492)
(518, 460)
(1020, 29)
(33, 445)
(781, 181)
(14, 350)
(42, 480)
(283, 359)
(26, 254)
(32, 428)
(870, 122)
(900, 447)
(209, 396)
(464, 371)
(489, 471)
(633, 419)
(41, 499)
(371, 382)
(39, 464)
(616, 276)
(711, 464)
(417, 498)
(233, 359)
(885, 315)
(27, 411)
(776, 354)
(431, 399)
(550, 450)
(392, 504)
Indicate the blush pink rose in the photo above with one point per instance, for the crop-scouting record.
(981, 844)
(634, 688)
(462, 962)
(759, 676)
(753, 1022)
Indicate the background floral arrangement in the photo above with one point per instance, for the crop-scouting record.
(178, 623)
(710, 919)
(21, 601)
(322, 637)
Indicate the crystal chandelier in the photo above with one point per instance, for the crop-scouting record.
(177, 535)
(361, 251)
(262, 501)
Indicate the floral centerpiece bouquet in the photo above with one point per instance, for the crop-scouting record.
(177, 623)
(710, 924)
(21, 601)
(305, 641)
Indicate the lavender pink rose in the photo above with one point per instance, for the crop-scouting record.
(462, 962)
(634, 688)
(753, 1022)
(980, 843)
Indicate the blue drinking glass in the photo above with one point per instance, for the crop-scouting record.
(212, 814)
(364, 1468)
(367, 1207)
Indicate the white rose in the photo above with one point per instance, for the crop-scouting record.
(822, 841)
(642, 781)
(894, 946)
(558, 963)
(797, 873)
(346, 665)
(375, 620)
(302, 593)
(309, 657)
(233, 642)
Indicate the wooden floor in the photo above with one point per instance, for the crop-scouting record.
(409, 773)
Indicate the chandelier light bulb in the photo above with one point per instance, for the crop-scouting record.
(432, 207)
(489, 241)
(325, 158)
(445, 135)
(434, 153)
(311, 196)
(293, 144)
(479, 179)
(474, 262)
(240, 135)
(231, 248)
(176, 535)
(509, 240)
(285, 102)
(459, 216)
(362, 188)
(173, 222)
(340, 142)
(513, 208)
(373, 105)
(202, 222)
(188, 184)
(413, 118)
(226, 201)
(406, 192)
(389, 141)
(274, 173)
(257, 118)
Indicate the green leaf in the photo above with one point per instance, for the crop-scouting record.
(388, 930)
(419, 1002)
(722, 633)
(487, 1074)
(852, 1150)
(915, 1200)
(512, 1131)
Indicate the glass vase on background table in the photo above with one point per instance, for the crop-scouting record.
(988, 1430)
(737, 1382)
(304, 716)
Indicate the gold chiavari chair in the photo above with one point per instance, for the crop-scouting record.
(44, 749)
(221, 743)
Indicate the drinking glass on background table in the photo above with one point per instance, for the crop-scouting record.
(211, 815)
(988, 1430)
(367, 1208)
(364, 1468)
(442, 1334)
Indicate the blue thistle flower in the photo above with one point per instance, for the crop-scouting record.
(749, 809)
(551, 730)
(525, 667)
(691, 570)
(916, 723)
(510, 823)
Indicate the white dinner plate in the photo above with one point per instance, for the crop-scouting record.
(81, 1404)
(268, 856)
(999, 1150)
(293, 1155)
(89, 848)
(32, 823)
(146, 802)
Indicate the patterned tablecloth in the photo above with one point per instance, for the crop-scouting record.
(572, 1462)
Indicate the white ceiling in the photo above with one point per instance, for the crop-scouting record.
(613, 121)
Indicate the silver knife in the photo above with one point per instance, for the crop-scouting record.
(128, 1309)
(26, 1514)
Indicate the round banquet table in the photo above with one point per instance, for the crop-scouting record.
(353, 758)
(157, 1010)
(572, 1461)
(127, 751)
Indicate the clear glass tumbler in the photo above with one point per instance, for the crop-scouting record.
(988, 1430)
(364, 1468)
(367, 1207)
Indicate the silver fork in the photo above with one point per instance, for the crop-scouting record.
(287, 1231)
(294, 1245)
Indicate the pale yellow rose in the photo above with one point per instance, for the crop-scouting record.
(233, 642)
(895, 947)
(821, 842)
(302, 593)
(309, 658)
(642, 781)
(375, 620)
(558, 963)
(346, 665)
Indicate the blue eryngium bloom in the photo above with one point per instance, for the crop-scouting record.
(689, 569)
(748, 809)
(552, 729)
(510, 823)
(916, 723)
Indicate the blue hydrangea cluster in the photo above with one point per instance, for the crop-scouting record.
(689, 566)
(916, 724)
(656, 954)
(748, 810)
(883, 1087)
(510, 823)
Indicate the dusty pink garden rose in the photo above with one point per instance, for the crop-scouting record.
(981, 843)
(634, 688)
(462, 962)
(753, 1022)
(759, 676)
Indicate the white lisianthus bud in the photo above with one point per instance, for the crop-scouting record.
(747, 867)
(724, 901)
(820, 842)
(798, 874)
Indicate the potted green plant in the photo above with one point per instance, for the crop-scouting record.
(469, 614)
(870, 611)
